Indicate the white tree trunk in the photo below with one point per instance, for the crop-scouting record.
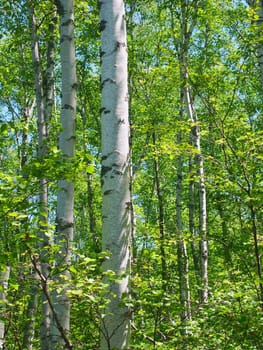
(182, 254)
(65, 200)
(187, 27)
(192, 229)
(4, 277)
(116, 228)
(196, 140)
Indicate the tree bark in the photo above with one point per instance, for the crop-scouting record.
(257, 252)
(60, 325)
(192, 228)
(115, 173)
(196, 140)
(4, 277)
(258, 5)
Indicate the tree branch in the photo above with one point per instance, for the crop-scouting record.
(47, 294)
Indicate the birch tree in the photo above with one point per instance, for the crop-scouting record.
(65, 200)
(115, 173)
(187, 24)
(4, 277)
(182, 253)
(257, 5)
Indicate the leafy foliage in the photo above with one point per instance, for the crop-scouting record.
(225, 81)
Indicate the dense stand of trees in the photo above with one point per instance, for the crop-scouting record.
(131, 180)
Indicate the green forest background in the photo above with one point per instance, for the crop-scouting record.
(210, 49)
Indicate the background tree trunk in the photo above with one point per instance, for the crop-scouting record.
(4, 277)
(182, 254)
(258, 6)
(187, 27)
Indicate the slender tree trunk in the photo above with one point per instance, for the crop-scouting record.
(192, 228)
(65, 201)
(4, 277)
(260, 44)
(257, 252)
(258, 5)
(182, 254)
(115, 173)
(186, 32)
(202, 219)
(195, 132)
